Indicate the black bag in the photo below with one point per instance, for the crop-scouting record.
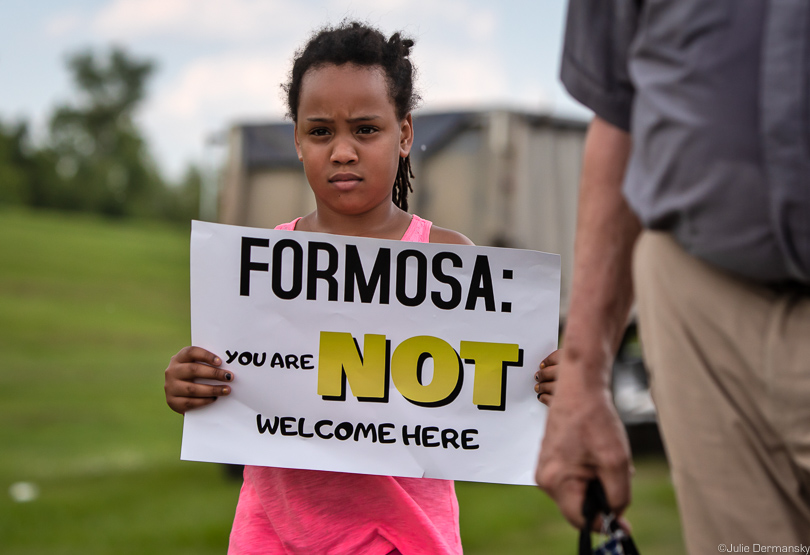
(618, 542)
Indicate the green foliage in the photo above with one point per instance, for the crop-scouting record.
(25, 173)
(182, 201)
(13, 179)
(95, 159)
(90, 312)
(102, 156)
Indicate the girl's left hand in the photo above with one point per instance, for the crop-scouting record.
(546, 378)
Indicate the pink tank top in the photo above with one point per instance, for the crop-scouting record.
(418, 231)
(310, 512)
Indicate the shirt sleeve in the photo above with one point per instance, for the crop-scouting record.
(594, 66)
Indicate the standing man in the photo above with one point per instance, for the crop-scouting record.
(695, 193)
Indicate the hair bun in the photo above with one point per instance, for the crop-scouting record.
(401, 46)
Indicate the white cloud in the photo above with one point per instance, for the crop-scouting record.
(209, 95)
(228, 83)
(461, 78)
(235, 20)
(482, 25)
(62, 24)
(477, 23)
(448, 16)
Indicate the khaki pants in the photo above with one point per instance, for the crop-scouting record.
(729, 366)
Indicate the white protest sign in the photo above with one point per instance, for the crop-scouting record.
(371, 356)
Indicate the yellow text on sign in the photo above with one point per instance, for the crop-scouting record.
(341, 360)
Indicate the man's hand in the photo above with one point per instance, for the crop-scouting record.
(584, 440)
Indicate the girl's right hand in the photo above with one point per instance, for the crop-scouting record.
(190, 364)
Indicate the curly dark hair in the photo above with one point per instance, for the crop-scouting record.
(356, 43)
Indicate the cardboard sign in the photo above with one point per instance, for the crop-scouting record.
(371, 356)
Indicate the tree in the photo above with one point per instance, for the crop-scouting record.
(101, 157)
(13, 177)
(181, 202)
(26, 174)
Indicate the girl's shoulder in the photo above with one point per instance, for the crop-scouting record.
(289, 226)
(448, 236)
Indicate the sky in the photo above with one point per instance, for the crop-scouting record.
(221, 62)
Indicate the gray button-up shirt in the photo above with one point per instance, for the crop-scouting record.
(716, 95)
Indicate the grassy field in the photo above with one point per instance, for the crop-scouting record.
(90, 312)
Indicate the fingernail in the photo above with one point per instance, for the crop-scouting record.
(226, 390)
(217, 361)
(543, 364)
(228, 376)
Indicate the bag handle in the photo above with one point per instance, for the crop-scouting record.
(595, 503)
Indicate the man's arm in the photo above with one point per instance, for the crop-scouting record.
(584, 437)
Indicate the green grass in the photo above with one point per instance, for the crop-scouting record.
(90, 312)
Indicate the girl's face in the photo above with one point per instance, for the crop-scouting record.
(349, 137)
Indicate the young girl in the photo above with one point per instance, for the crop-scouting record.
(350, 96)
